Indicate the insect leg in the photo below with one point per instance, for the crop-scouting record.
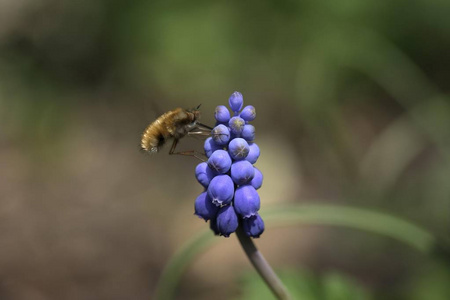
(186, 153)
(193, 153)
(204, 126)
(200, 132)
(174, 145)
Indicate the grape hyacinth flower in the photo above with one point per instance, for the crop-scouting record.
(230, 199)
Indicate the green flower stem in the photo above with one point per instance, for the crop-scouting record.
(262, 266)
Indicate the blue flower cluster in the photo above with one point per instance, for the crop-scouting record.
(230, 180)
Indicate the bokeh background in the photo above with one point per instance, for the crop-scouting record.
(352, 109)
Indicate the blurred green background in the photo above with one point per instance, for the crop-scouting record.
(353, 109)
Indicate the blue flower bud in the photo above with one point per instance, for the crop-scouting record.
(221, 134)
(210, 146)
(238, 148)
(248, 113)
(246, 201)
(213, 226)
(253, 154)
(227, 221)
(236, 101)
(204, 208)
(248, 132)
(221, 190)
(253, 226)
(204, 174)
(236, 125)
(222, 114)
(257, 179)
(242, 172)
(220, 161)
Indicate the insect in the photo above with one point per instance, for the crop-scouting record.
(174, 124)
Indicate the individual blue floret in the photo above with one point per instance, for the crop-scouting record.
(242, 172)
(221, 190)
(222, 114)
(246, 201)
(227, 221)
(236, 102)
(248, 113)
(220, 161)
(253, 226)
(248, 132)
(221, 134)
(210, 146)
(236, 125)
(257, 179)
(204, 208)
(253, 154)
(204, 174)
(238, 149)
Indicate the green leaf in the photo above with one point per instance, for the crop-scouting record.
(334, 215)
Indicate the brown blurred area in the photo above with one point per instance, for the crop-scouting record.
(85, 215)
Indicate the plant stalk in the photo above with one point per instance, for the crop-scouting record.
(262, 266)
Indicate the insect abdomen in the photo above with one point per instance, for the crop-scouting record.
(151, 142)
(173, 124)
(156, 134)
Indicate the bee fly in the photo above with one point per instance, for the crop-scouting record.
(174, 124)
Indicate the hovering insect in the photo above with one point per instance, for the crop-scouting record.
(174, 124)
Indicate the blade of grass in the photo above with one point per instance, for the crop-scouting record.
(334, 215)
(173, 270)
(395, 72)
(356, 218)
(390, 153)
